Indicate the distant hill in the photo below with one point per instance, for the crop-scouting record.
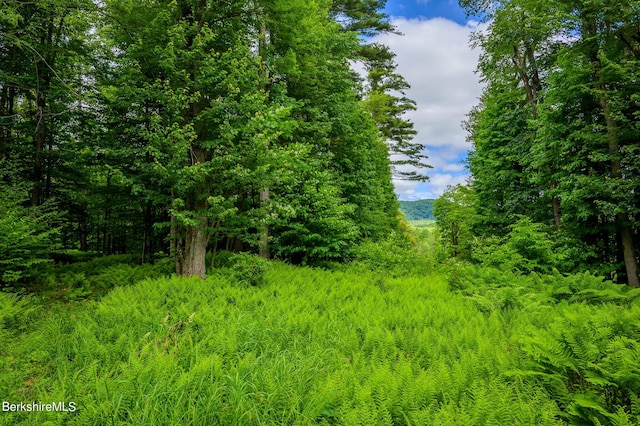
(418, 210)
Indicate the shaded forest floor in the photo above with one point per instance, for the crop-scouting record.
(393, 338)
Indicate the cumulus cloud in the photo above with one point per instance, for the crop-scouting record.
(435, 58)
(411, 191)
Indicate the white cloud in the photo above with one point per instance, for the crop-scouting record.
(435, 58)
(439, 182)
(453, 168)
(405, 188)
(433, 189)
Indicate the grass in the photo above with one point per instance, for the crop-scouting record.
(305, 347)
(423, 224)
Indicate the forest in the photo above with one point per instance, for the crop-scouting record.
(187, 127)
(198, 223)
(417, 210)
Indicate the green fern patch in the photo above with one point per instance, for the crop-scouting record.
(578, 337)
(304, 347)
(266, 343)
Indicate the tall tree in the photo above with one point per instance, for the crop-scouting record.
(42, 53)
(46, 99)
(237, 123)
(605, 127)
(211, 121)
(312, 46)
(517, 50)
(572, 73)
(387, 102)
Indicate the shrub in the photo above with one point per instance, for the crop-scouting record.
(455, 218)
(485, 282)
(591, 289)
(15, 312)
(531, 247)
(73, 256)
(222, 259)
(492, 289)
(95, 265)
(247, 269)
(397, 255)
(96, 277)
(528, 247)
(27, 235)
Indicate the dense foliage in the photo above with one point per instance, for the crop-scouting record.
(199, 138)
(578, 337)
(185, 351)
(389, 339)
(556, 133)
(27, 234)
(190, 126)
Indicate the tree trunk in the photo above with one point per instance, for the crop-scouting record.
(519, 62)
(533, 88)
(106, 242)
(82, 227)
(4, 129)
(630, 262)
(557, 216)
(196, 241)
(264, 232)
(38, 147)
(43, 83)
(147, 245)
(622, 219)
(83, 235)
(47, 183)
(175, 245)
(264, 193)
(197, 235)
(7, 103)
(555, 206)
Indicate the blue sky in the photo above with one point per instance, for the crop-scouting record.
(435, 58)
(447, 9)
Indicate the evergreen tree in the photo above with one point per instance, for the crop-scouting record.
(236, 125)
(387, 102)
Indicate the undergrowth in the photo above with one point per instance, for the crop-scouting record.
(95, 277)
(411, 253)
(386, 340)
(578, 337)
(306, 346)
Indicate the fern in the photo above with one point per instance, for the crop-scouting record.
(602, 356)
(307, 346)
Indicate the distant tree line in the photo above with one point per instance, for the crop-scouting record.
(418, 210)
